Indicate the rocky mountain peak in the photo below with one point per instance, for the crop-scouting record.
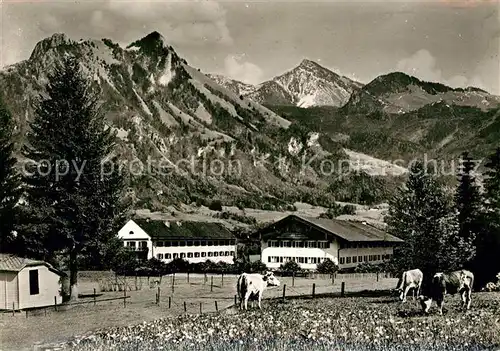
(309, 64)
(52, 42)
(153, 43)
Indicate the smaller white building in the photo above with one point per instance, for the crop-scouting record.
(167, 240)
(27, 283)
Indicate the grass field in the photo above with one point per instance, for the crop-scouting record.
(352, 322)
(47, 325)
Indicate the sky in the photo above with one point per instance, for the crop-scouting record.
(455, 42)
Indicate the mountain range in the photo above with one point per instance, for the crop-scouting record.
(306, 85)
(394, 116)
(175, 123)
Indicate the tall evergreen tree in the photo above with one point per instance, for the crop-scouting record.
(487, 261)
(9, 181)
(422, 215)
(468, 202)
(73, 206)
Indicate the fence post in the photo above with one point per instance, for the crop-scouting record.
(222, 280)
(293, 278)
(94, 297)
(216, 307)
(211, 283)
(185, 308)
(55, 303)
(377, 276)
(284, 289)
(201, 312)
(188, 277)
(169, 301)
(235, 300)
(342, 290)
(158, 295)
(314, 290)
(124, 297)
(333, 279)
(205, 278)
(13, 308)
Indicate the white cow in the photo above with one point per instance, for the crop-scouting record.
(411, 279)
(252, 286)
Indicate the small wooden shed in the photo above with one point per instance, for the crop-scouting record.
(27, 283)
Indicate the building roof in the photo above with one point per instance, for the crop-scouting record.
(348, 230)
(157, 229)
(13, 263)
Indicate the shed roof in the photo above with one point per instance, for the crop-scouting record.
(157, 229)
(13, 263)
(348, 230)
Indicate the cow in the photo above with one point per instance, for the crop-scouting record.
(252, 286)
(411, 279)
(460, 281)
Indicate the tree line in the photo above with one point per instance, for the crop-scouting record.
(63, 206)
(449, 230)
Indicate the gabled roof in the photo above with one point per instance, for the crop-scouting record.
(13, 263)
(157, 229)
(348, 230)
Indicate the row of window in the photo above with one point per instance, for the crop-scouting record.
(134, 244)
(306, 260)
(368, 258)
(299, 244)
(176, 243)
(366, 245)
(169, 256)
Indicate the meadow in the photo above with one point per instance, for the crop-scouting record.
(351, 323)
(368, 317)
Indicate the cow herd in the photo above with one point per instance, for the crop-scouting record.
(442, 284)
(250, 287)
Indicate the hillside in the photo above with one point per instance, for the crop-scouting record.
(436, 130)
(186, 138)
(308, 84)
(397, 93)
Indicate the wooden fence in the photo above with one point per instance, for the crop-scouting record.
(167, 294)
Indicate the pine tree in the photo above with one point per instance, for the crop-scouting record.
(487, 262)
(422, 215)
(9, 181)
(468, 202)
(73, 203)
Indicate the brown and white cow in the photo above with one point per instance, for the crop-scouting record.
(252, 286)
(411, 279)
(449, 283)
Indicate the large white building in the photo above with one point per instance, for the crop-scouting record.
(166, 240)
(309, 241)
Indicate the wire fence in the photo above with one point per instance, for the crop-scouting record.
(203, 293)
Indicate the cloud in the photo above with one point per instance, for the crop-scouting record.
(422, 64)
(185, 23)
(180, 21)
(244, 71)
(466, 3)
